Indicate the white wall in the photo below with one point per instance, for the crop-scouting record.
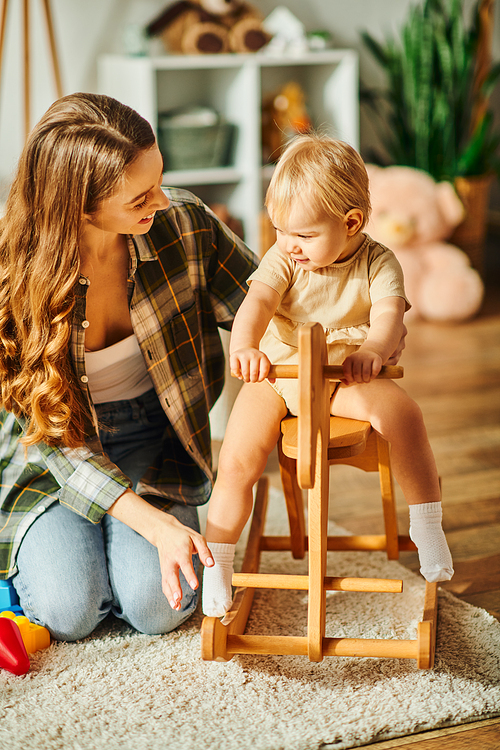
(84, 29)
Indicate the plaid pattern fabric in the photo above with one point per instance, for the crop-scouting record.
(187, 278)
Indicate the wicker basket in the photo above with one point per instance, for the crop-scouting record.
(470, 235)
(195, 147)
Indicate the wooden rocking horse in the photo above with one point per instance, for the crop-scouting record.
(308, 445)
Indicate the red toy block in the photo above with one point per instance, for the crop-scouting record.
(35, 637)
(13, 655)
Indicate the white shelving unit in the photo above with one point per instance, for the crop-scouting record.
(236, 85)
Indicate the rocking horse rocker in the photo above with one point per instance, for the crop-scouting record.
(308, 445)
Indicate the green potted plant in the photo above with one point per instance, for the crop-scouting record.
(433, 113)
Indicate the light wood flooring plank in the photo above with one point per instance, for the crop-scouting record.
(480, 735)
(475, 576)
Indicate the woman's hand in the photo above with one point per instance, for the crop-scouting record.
(250, 365)
(176, 543)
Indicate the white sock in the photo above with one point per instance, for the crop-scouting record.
(427, 533)
(217, 593)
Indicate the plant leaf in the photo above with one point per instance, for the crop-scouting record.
(424, 116)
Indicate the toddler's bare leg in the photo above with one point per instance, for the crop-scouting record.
(399, 420)
(251, 434)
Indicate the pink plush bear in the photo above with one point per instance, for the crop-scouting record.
(413, 215)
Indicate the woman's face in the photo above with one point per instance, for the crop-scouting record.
(131, 209)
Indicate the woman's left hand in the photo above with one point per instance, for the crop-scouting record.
(176, 543)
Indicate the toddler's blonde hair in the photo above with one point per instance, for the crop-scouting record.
(317, 168)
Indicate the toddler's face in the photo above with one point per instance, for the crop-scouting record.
(314, 239)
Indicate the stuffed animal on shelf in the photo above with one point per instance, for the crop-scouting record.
(209, 26)
(284, 114)
(414, 215)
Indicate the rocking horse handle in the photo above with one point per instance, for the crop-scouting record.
(314, 409)
(333, 372)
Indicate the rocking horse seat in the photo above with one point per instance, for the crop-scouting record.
(348, 437)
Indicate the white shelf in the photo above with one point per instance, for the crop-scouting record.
(235, 85)
(259, 59)
(214, 176)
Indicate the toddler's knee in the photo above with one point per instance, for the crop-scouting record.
(411, 415)
(403, 418)
(234, 467)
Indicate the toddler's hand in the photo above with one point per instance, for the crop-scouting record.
(250, 365)
(361, 367)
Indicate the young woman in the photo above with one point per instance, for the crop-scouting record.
(111, 295)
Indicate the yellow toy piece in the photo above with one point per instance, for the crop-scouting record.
(35, 637)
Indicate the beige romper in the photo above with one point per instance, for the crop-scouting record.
(339, 297)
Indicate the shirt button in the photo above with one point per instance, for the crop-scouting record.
(84, 379)
(85, 324)
(82, 280)
(41, 509)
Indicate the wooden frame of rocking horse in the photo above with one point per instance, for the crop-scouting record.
(318, 440)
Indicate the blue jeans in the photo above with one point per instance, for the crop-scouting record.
(73, 573)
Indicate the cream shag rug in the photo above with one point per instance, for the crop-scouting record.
(121, 690)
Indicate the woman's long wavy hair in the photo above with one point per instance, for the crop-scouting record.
(74, 158)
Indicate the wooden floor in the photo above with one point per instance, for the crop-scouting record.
(453, 372)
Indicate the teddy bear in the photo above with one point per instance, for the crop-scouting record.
(209, 27)
(413, 215)
(284, 114)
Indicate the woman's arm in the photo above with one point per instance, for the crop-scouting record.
(383, 340)
(175, 542)
(246, 361)
(80, 471)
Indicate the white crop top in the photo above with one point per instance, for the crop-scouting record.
(118, 372)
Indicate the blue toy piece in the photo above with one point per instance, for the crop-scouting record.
(9, 599)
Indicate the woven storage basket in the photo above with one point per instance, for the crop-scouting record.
(470, 235)
(195, 147)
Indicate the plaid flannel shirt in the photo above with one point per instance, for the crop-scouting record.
(187, 278)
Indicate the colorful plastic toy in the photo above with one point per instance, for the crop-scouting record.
(35, 637)
(13, 655)
(9, 598)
